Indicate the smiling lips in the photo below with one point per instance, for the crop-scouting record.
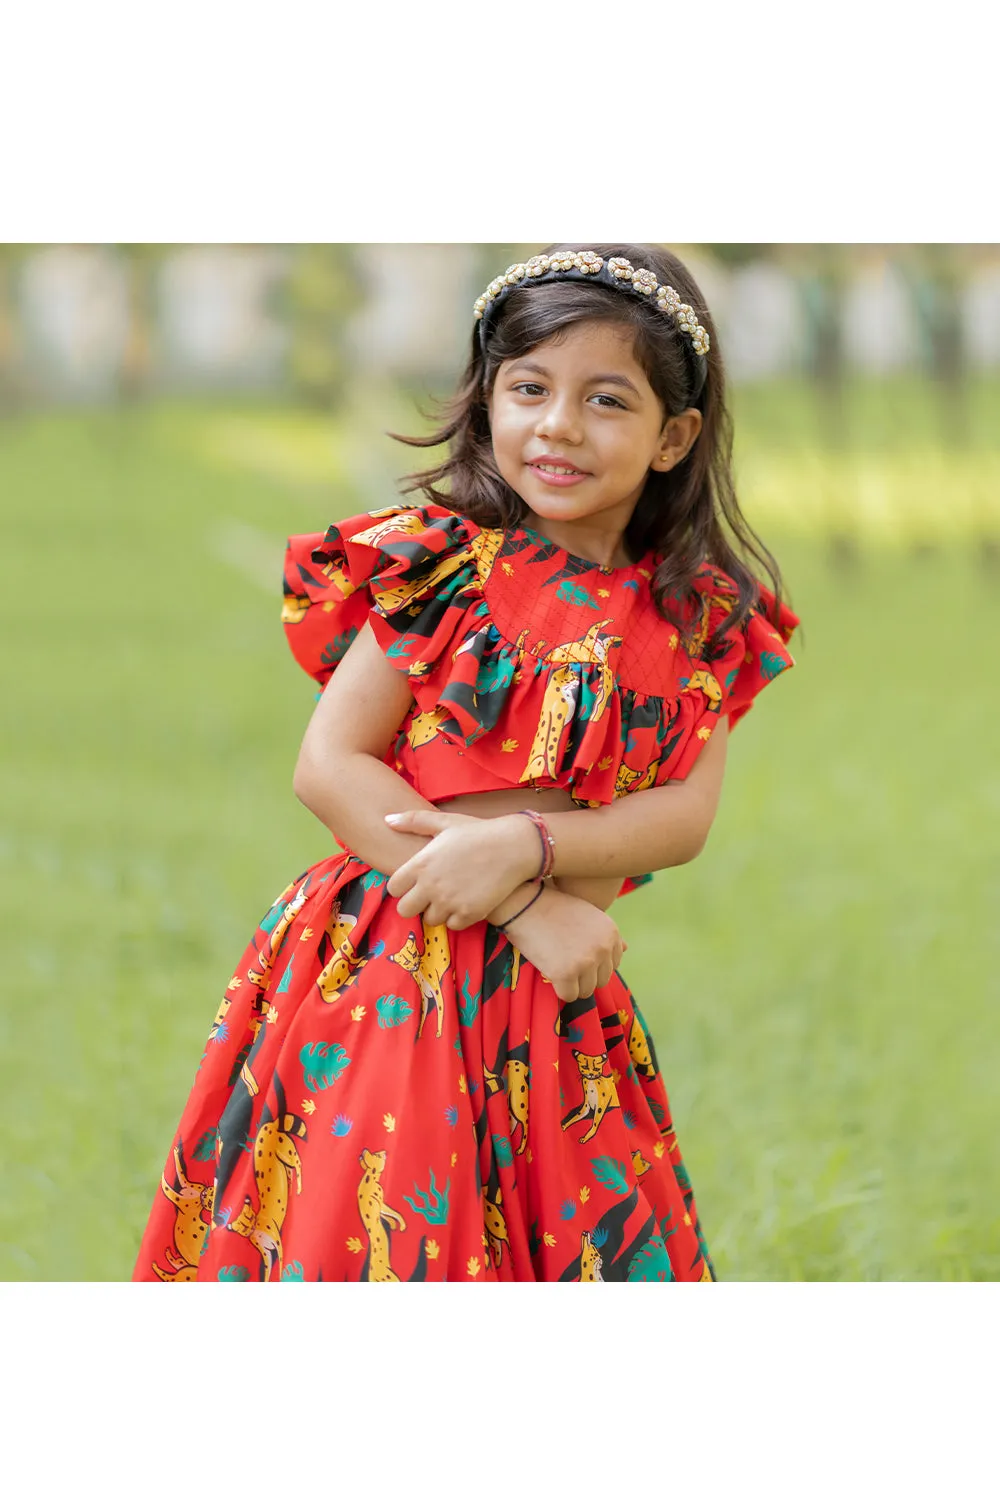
(554, 470)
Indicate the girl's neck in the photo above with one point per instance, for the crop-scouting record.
(588, 539)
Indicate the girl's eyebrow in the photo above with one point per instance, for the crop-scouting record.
(621, 380)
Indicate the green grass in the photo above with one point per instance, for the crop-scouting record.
(821, 982)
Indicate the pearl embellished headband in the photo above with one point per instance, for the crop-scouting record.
(578, 265)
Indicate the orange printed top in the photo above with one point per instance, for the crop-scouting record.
(528, 666)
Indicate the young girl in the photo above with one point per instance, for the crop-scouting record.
(426, 1065)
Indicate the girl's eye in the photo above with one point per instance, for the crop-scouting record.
(611, 401)
(529, 388)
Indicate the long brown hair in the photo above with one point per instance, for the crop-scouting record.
(687, 515)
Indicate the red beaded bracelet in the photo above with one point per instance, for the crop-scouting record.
(547, 841)
(504, 925)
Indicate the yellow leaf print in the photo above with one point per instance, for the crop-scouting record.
(507, 569)
(433, 1249)
(234, 983)
(461, 1083)
(748, 658)
(556, 1065)
(473, 1266)
(529, 1156)
(328, 605)
(623, 1017)
(358, 1013)
(604, 762)
(353, 1245)
(704, 733)
(486, 1243)
(454, 1158)
(389, 1121)
(549, 1239)
(673, 642)
(272, 1014)
(616, 1077)
(308, 1107)
(584, 1194)
(687, 1219)
(307, 933)
(604, 593)
(659, 1148)
(509, 745)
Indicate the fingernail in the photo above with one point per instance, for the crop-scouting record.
(393, 817)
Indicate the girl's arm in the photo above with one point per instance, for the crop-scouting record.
(649, 830)
(341, 778)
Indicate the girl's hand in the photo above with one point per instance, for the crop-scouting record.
(469, 867)
(572, 944)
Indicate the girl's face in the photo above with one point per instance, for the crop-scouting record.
(576, 427)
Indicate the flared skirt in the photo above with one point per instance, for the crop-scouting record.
(383, 1100)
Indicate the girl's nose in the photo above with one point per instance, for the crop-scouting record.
(558, 419)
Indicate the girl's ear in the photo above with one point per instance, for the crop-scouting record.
(678, 437)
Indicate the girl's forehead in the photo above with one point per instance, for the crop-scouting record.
(598, 344)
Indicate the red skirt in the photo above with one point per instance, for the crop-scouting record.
(380, 1100)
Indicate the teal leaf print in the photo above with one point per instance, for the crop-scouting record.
(651, 1263)
(322, 1065)
(664, 1231)
(220, 1033)
(341, 1126)
(657, 1111)
(233, 1273)
(205, 1149)
(598, 1238)
(494, 675)
(575, 1034)
(469, 1008)
(374, 878)
(293, 1272)
(610, 1174)
(434, 1204)
(575, 593)
(273, 916)
(629, 1118)
(568, 1210)
(771, 664)
(502, 1151)
(334, 650)
(451, 1115)
(393, 1010)
(286, 980)
(402, 647)
(731, 678)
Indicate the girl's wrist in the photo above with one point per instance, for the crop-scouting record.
(528, 848)
(513, 903)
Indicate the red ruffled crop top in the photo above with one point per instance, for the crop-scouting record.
(528, 666)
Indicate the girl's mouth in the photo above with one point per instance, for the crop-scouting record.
(558, 474)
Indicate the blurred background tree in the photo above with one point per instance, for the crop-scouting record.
(320, 292)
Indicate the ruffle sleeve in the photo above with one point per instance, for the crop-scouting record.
(731, 672)
(400, 568)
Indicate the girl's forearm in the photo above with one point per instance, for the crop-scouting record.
(650, 830)
(600, 892)
(351, 795)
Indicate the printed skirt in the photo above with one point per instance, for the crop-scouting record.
(382, 1100)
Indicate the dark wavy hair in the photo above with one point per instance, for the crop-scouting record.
(688, 516)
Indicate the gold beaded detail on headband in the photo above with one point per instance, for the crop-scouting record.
(620, 271)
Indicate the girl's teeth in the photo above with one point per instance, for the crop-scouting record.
(551, 469)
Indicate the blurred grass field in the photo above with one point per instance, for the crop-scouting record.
(822, 981)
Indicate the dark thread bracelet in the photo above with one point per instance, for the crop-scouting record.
(548, 843)
(504, 925)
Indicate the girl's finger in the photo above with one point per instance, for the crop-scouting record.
(419, 820)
